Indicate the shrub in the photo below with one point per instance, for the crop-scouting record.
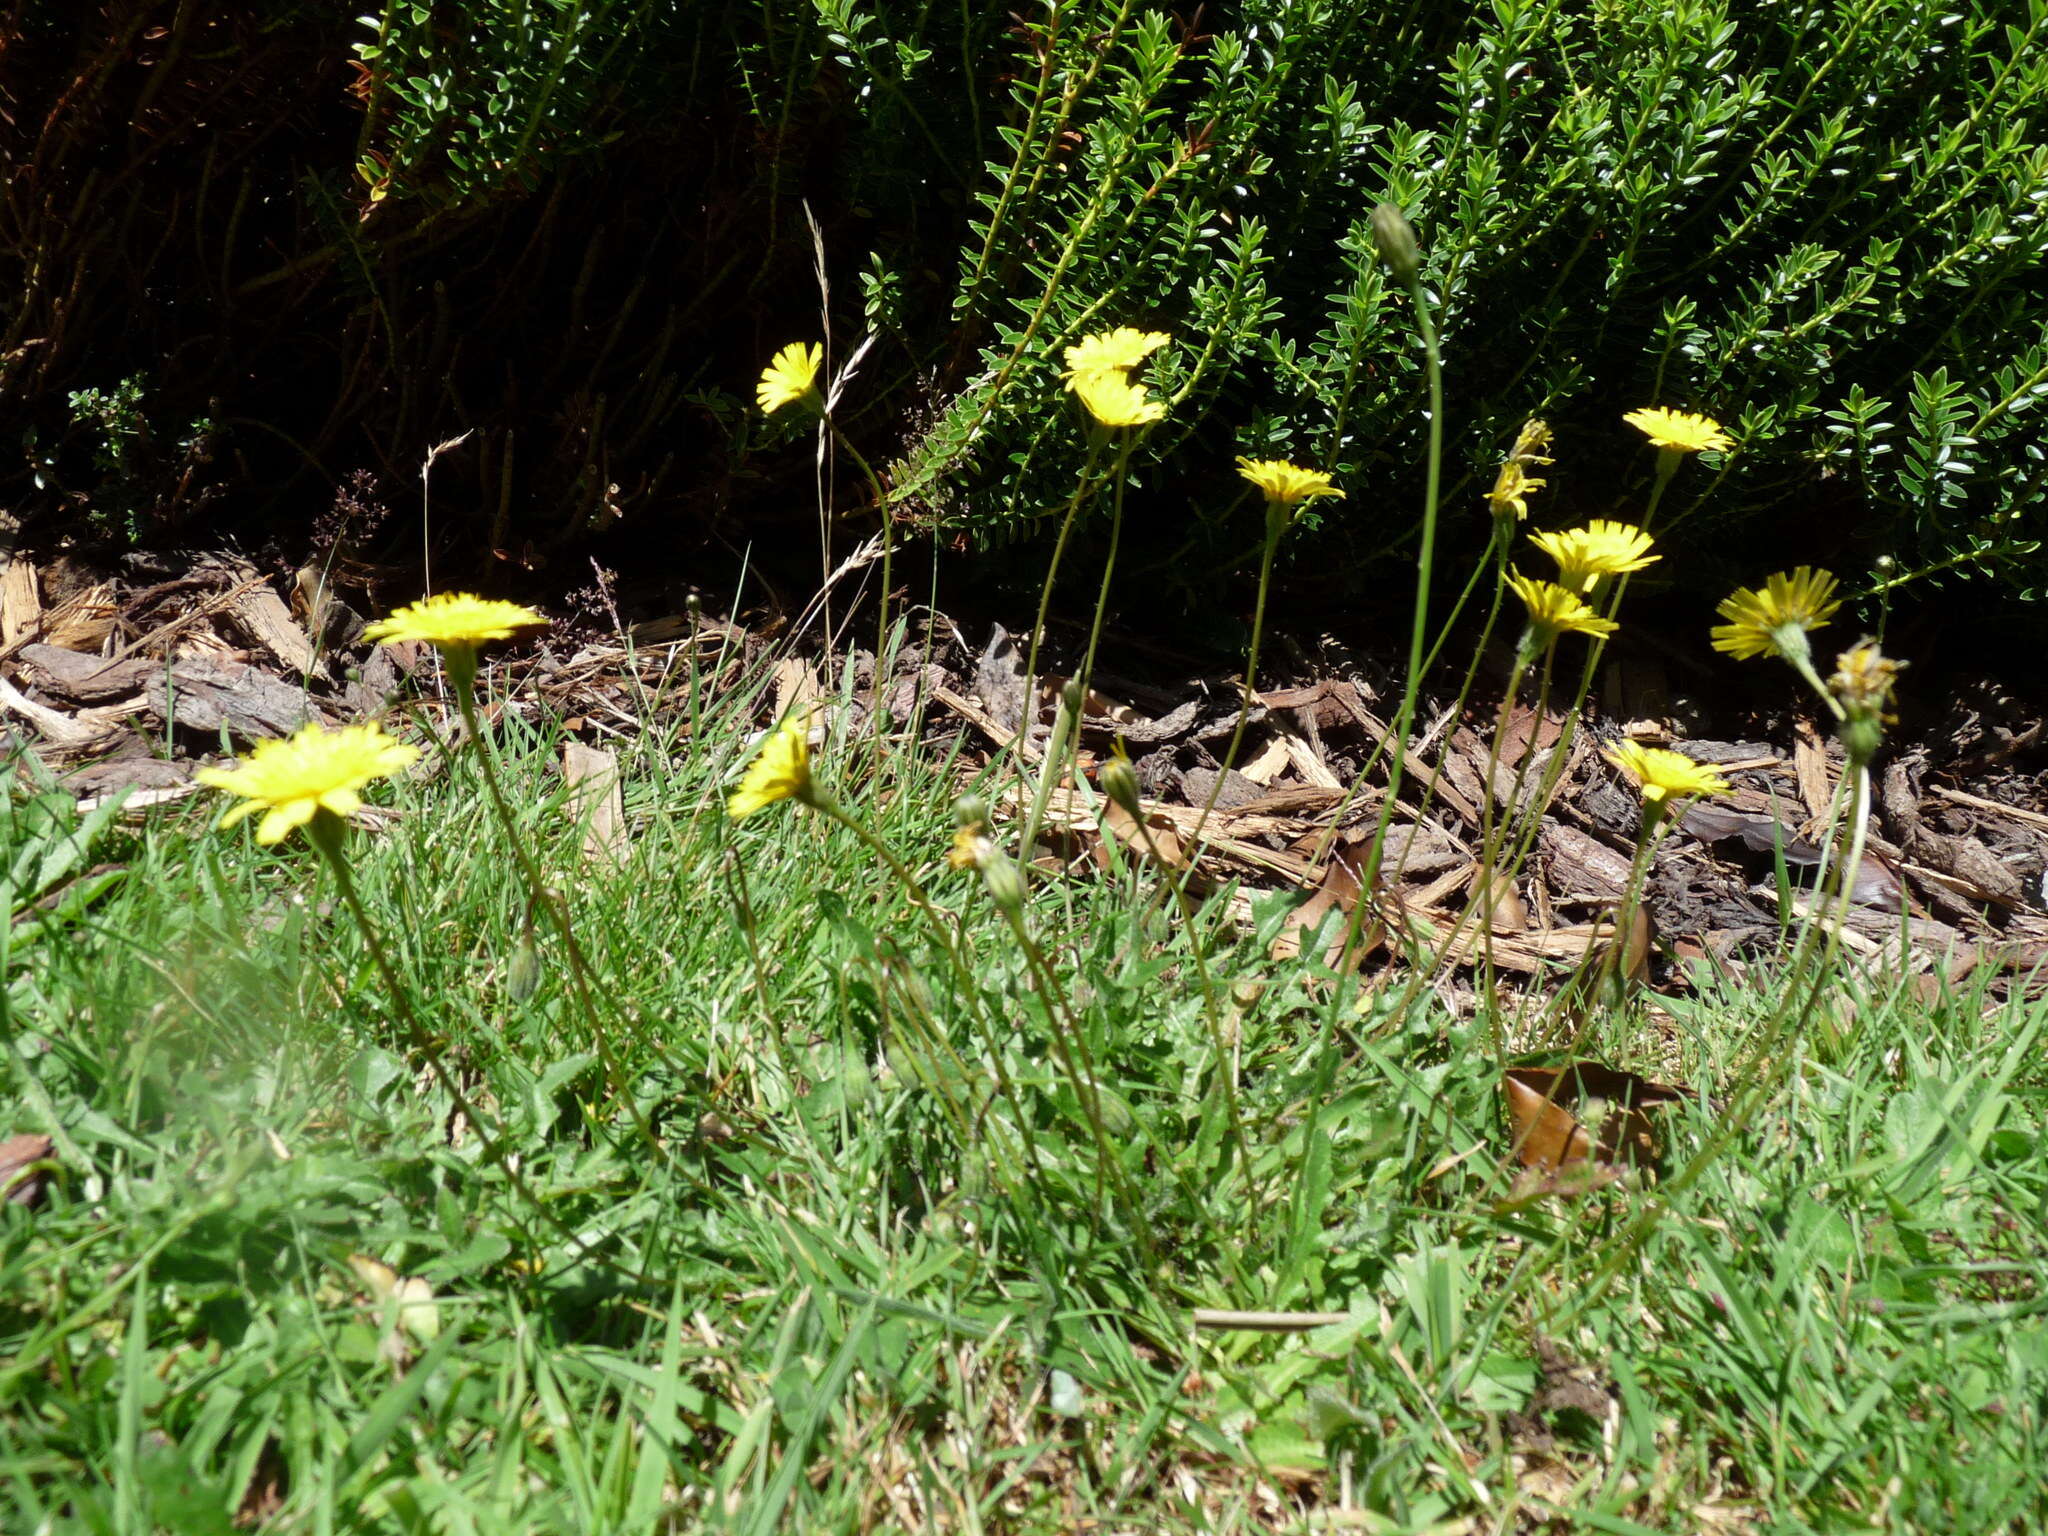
(578, 227)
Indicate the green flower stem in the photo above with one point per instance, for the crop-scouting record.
(888, 548)
(1496, 560)
(328, 833)
(949, 939)
(1078, 1062)
(1425, 564)
(462, 672)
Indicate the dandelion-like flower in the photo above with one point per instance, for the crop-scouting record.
(1284, 484)
(454, 620)
(1773, 621)
(1864, 679)
(293, 780)
(1585, 556)
(1556, 610)
(792, 377)
(1115, 401)
(1116, 351)
(1680, 431)
(971, 847)
(1511, 488)
(780, 771)
(1664, 776)
(1530, 443)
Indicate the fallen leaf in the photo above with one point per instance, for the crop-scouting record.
(25, 1169)
(1585, 1113)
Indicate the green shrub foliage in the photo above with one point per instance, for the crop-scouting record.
(573, 228)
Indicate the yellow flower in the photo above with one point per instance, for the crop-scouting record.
(793, 376)
(293, 780)
(971, 847)
(1774, 621)
(1863, 681)
(1115, 401)
(1285, 484)
(1601, 548)
(780, 771)
(1680, 431)
(454, 620)
(1511, 488)
(1664, 776)
(1114, 351)
(1556, 610)
(1530, 443)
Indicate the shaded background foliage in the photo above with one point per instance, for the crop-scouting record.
(253, 251)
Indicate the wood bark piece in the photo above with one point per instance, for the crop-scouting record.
(595, 800)
(83, 678)
(58, 729)
(211, 693)
(262, 615)
(21, 600)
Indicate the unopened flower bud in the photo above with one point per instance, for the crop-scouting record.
(1005, 882)
(1395, 237)
(1073, 696)
(970, 811)
(1119, 781)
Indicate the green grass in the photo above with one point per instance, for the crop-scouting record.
(843, 1295)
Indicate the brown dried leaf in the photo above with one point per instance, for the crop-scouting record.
(25, 1169)
(1561, 1116)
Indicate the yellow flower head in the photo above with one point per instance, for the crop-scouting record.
(454, 621)
(1530, 443)
(1863, 681)
(1774, 621)
(793, 376)
(1115, 401)
(1556, 610)
(971, 847)
(1511, 488)
(780, 771)
(293, 780)
(1285, 484)
(1116, 351)
(1680, 431)
(1663, 776)
(1600, 549)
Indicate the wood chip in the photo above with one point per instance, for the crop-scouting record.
(21, 600)
(262, 615)
(1978, 802)
(595, 800)
(212, 693)
(58, 729)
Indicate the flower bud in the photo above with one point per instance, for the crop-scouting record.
(1395, 237)
(1119, 781)
(970, 811)
(1005, 882)
(1073, 696)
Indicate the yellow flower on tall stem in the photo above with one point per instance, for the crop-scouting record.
(1664, 777)
(1773, 620)
(1284, 483)
(1587, 556)
(780, 771)
(295, 780)
(1680, 431)
(1556, 610)
(792, 377)
(1115, 401)
(452, 619)
(1511, 487)
(457, 624)
(1116, 351)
